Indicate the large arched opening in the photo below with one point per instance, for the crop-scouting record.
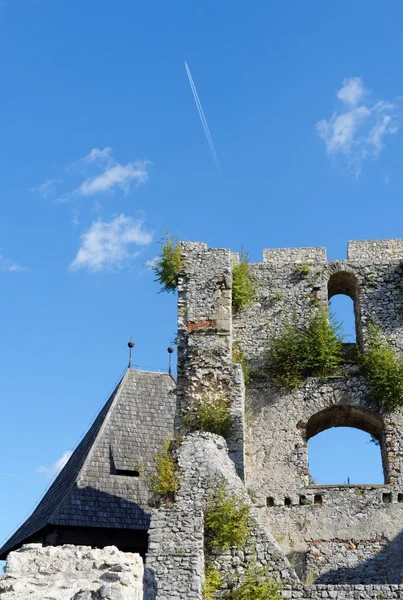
(347, 446)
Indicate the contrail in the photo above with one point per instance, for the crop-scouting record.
(202, 117)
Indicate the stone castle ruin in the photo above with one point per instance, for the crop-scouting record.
(318, 541)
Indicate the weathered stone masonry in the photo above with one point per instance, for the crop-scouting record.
(271, 443)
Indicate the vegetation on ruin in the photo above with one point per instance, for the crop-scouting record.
(168, 264)
(210, 413)
(312, 351)
(278, 296)
(238, 357)
(226, 520)
(382, 370)
(212, 582)
(256, 584)
(244, 285)
(302, 269)
(164, 481)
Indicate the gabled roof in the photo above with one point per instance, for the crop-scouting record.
(89, 492)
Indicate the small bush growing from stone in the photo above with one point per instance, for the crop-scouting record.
(212, 582)
(164, 481)
(211, 413)
(226, 520)
(244, 285)
(168, 264)
(238, 357)
(302, 269)
(257, 585)
(278, 296)
(383, 371)
(314, 351)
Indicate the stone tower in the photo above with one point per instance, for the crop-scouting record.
(331, 533)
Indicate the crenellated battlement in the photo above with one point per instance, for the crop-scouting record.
(364, 251)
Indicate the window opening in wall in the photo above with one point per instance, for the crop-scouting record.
(317, 499)
(400, 497)
(303, 500)
(127, 472)
(346, 446)
(342, 307)
(270, 501)
(344, 455)
(387, 498)
(287, 501)
(343, 304)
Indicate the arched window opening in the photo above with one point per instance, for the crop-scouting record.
(342, 307)
(343, 303)
(346, 446)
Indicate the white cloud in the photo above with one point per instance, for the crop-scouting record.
(9, 265)
(107, 246)
(54, 469)
(98, 173)
(98, 156)
(117, 175)
(360, 129)
(352, 91)
(47, 188)
(340, 130)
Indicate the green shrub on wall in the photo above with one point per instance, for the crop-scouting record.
(164, 481)
(210, 413)
(313, 351)
(226, 520)
(383, 371)
(256, 584)
(244, 285)
(168, 264)
(212, 582)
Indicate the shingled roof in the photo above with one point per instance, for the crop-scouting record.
(97, 488)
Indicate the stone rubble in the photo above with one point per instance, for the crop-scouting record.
(72, 572)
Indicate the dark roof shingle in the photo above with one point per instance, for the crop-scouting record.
(132, 425)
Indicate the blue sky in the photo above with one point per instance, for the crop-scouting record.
(102, 147)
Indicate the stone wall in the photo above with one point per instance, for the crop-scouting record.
(176, 559)
(280, 423)
(205, 368)
(352, 560)
(72, 573)
(343, 592)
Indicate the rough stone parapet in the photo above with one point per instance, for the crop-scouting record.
(280, 256)
(375, 250)
(72, 573)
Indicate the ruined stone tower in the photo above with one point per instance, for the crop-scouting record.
(328, 532)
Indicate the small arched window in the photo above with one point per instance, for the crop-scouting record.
(343, 303)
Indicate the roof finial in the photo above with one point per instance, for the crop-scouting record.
(131, 346)
(170, 352)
